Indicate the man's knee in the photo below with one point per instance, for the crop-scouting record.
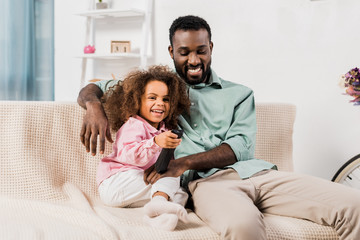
(244, 228)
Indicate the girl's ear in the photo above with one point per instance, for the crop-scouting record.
(137, 104)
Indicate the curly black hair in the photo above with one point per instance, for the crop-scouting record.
(186, 23)
(124, 99)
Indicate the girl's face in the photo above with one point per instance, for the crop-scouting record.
(155, 102)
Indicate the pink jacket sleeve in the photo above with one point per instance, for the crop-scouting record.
(135, 145)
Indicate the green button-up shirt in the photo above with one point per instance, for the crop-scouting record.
(220, 112)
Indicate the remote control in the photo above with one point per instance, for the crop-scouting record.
(166, 155)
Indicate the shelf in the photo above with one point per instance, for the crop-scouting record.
(114, 16)
(103, 13)
(109, 55)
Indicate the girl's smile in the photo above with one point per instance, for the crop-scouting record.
(155, 102)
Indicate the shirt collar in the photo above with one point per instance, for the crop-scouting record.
(150, 128)
(214, 81)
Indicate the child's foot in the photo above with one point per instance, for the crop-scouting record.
(159, 205)
(166, 221)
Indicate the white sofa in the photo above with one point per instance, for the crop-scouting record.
(48, 189)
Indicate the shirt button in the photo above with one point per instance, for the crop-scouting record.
(195, 125)
(192, 104)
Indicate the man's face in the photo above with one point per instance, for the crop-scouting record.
(191, 53)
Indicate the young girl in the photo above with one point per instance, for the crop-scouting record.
(143, 109)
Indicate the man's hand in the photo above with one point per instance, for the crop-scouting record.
(95, 123)
(150, 175)
(175, 169)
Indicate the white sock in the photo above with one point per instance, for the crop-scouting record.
(165, 221)
(159, 205)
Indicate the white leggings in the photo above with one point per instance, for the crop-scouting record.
(128, 189)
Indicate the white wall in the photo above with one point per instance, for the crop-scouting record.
(286, 51)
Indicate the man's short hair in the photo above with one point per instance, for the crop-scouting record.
(186, 23)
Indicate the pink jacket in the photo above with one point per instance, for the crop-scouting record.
(134, 148)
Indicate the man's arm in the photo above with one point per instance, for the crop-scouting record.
(89, 93)
(217, 157)
(238, 146)
(95, 121)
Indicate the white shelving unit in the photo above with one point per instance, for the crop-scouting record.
(92, 15)
(113, 13)
(110, 55)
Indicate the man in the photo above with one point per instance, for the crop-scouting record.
(230, 189)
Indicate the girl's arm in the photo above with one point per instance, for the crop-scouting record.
(134, 144)
(138, 153)
(136, 149)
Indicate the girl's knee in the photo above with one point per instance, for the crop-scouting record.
(111, 198)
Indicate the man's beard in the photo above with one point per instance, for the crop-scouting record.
(204, 77)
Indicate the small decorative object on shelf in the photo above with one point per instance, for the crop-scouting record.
(120, 47)
(89, 49)
(101, 5)
(351, 82)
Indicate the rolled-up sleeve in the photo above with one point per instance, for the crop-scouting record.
(241, 136)
(104, 85)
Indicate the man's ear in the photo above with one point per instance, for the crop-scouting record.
(211, 46)
(171, 51)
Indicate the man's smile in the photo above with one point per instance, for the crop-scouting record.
(194, 71)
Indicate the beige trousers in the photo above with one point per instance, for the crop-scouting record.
(233, 207)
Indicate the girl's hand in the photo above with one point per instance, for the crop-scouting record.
(167, 140)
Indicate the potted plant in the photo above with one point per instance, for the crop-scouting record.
(351, 82)
(101, 5)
